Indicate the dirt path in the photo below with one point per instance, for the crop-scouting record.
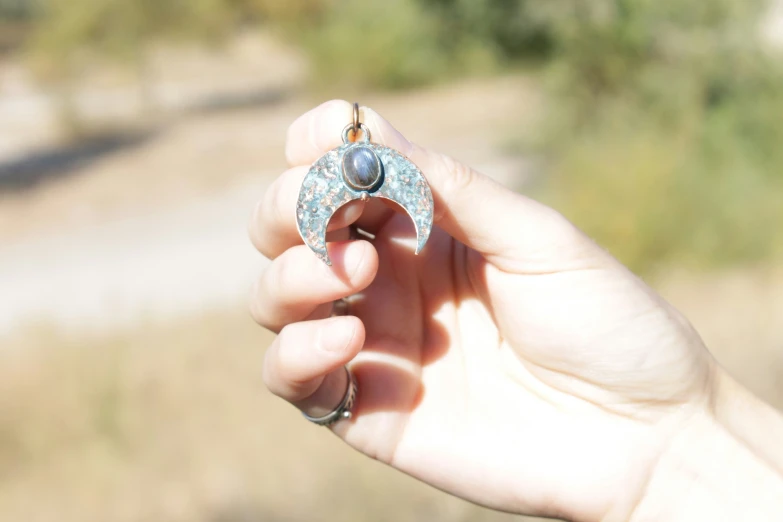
(159, 230)
(157, 265)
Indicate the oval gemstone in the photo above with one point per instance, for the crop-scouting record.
(361, 168)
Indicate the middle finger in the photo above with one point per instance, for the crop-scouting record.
(297, 284)
(273, 227)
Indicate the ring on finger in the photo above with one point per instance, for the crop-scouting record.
(355, 233)
(340, 308)
(343, 410)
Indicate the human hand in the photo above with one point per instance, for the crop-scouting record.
(513, 363)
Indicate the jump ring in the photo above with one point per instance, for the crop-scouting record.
(339, 308)
(350, 128)
(356, 117)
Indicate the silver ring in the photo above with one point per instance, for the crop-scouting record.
(343, 410)
(355, 233)
(339, 308)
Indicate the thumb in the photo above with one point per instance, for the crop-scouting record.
(512, 231)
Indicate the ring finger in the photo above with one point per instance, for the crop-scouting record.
(304, 363)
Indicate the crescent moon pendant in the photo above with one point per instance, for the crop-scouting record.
(361, 170)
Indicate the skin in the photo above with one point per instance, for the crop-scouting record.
(513, 363)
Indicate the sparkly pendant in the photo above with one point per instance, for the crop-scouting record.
(360, 170)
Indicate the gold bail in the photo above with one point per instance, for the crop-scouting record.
(355, 119)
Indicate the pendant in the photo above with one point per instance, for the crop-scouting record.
(360, 170)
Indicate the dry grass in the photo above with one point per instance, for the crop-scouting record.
(202, 155)
(172, 423)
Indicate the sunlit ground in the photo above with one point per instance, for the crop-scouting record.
(170, 421)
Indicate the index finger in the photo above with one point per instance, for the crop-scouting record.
(320, 130)
(511, 230)
(309, 137)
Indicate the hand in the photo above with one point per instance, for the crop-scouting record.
(513, 363)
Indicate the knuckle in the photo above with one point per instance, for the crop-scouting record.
(277, 203)
(553, 219)
(560, 226)
(260, 225)
(271, 368)
(267, 371)
(260, 314)
(565, 239)
(283, 273)
(253, 304)
(254, 227)
(461, 177)
(290, 141)
(269, 217)
(263, 301)
(288, 363)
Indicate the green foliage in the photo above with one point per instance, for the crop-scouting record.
(691, 194)
(664, 122)
(391, 44)
(123, 29)
(513, 28)
(667, 131)
(15, 9)
(62, 30)
(404, 43)
(381, 44)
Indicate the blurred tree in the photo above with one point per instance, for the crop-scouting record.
(68, 31)
(14, 15)
(514, 27)
(15, 9)
(389, 44)
(124, 29)
(671, 98)
(291, 14)
(668, 110)
(610, 45)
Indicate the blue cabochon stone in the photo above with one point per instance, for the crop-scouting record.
(361, 168)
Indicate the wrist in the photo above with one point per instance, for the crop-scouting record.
(718, 466)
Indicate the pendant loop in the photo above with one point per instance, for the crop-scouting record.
(349, 128)
(355, 117)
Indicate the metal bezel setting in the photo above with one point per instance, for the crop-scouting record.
(375, 185)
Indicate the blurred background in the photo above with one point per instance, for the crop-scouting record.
(136, 136)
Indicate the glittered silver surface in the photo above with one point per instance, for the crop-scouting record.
(323, 192)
